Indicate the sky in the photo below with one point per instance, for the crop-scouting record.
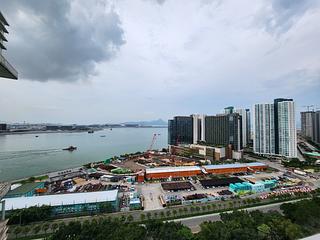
(105, 61)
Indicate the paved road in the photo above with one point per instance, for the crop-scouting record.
(314, 237)
(274, 164)
(194, 222)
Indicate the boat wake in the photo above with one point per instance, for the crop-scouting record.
(26, 153)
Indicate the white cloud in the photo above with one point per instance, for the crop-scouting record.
(181, 57)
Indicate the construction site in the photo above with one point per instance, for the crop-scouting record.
(155, 179)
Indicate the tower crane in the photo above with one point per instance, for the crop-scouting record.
(308, 107)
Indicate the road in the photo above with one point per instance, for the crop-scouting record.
(274, 164)
(314, 237)
(194, 222)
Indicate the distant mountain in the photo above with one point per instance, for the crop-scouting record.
(158, 122)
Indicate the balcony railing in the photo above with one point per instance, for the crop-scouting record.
(8, 66)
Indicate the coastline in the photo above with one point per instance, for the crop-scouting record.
(41, 132)
(73, 131)
(40, 158)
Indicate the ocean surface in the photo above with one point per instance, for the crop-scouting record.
(25, 155)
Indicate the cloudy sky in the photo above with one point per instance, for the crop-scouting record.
(124, 60)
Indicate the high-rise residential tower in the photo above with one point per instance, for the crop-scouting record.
(308, 124)
(317, 127)
(263, 129)
(287, 132)
(6, 70)
(274, 128)
(246, 131)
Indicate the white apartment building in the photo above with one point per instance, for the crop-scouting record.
(274, 128)
(198, 128)
(263, 129)
(287, 129)
(245, 123)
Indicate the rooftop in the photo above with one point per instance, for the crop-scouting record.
(61, 199)
(27, 187)
(172, 169)
(235, 165)
(314, 154)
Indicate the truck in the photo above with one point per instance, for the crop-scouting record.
(299, 172)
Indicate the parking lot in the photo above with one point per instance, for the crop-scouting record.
(151, 193)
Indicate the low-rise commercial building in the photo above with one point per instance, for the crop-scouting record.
(189, 171)
(66, 203)
(210, 152)
(260, 186)
(234, 168)
(172, 172)
(25, 190)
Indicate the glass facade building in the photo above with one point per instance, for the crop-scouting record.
(180, 130)
(223, 130)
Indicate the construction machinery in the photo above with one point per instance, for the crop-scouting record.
(154, 138)
(308, 107)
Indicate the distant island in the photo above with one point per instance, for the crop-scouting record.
(19, 128)
(158, 122)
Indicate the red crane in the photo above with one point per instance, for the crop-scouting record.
(154, 138)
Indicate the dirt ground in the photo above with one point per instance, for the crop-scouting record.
(131, 165)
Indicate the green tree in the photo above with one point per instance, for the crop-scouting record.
(123, 218)
(62, 224)
(45, 227)
(264, 231)
(25, 230)
(209, 207)
(17, 230)
(142, 217)
(192, 209)
(185, 209)
(155, 215)
(105, 207)
(54, 226)
(180, 211)
(31, 214)
(197, 208)
(36, 229)
(130, 218)
(168, 213)
(174, 212)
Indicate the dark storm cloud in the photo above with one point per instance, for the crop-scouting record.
(285, 13)
(49, 42)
